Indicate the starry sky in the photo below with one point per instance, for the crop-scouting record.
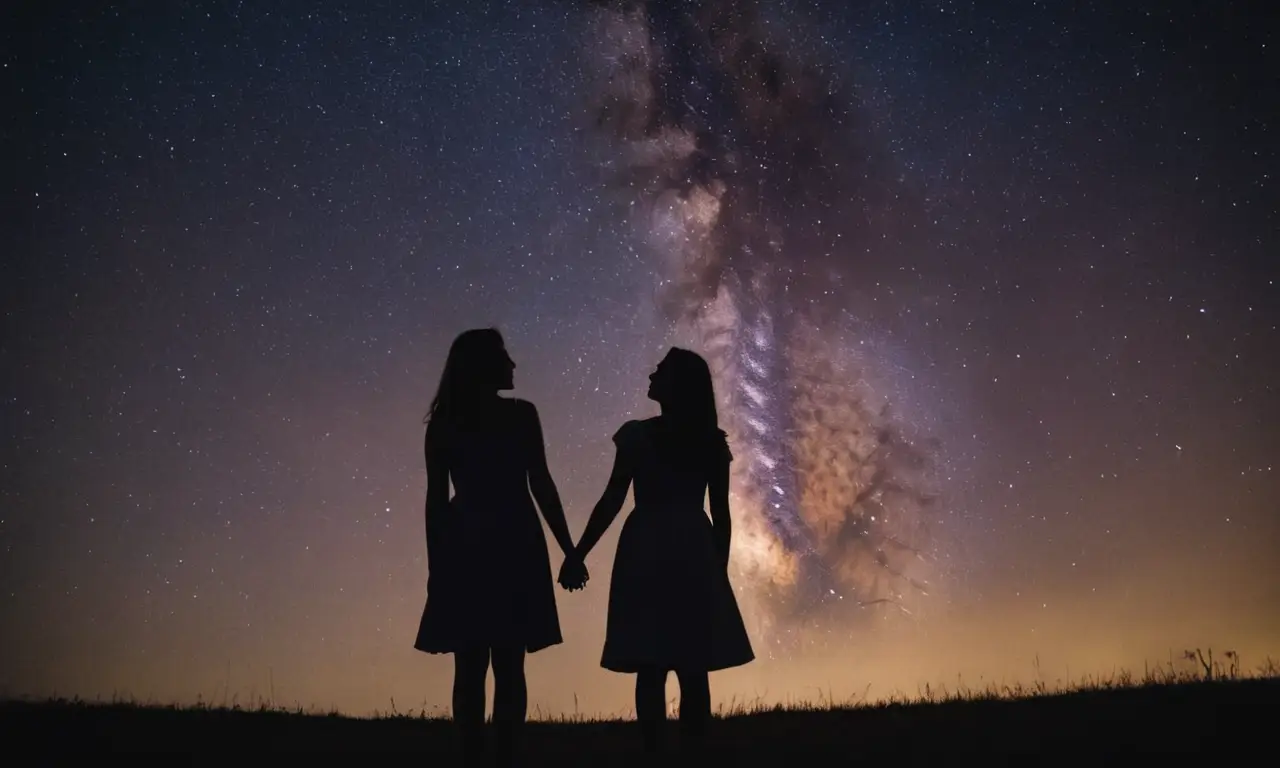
(238, 241)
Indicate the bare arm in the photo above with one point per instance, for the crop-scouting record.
(721, 524)
(609, 505)
(543, 486)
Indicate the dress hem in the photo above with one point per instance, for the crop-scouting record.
(444, 651)
(633, 668)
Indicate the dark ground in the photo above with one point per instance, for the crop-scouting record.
(1216, 719)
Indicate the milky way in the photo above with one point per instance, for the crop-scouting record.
(757, 194)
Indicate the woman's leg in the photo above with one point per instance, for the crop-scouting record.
(510, 700)
(695, 706)
(469, 671)
(651, 705)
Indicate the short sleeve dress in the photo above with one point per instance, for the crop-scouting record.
(671, 605)
(490, 583)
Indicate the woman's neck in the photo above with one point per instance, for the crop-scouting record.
(671, 417)
(476, 403)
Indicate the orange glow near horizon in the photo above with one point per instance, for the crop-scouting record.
(351, 652)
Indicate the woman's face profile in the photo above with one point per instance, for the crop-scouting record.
(660, 381)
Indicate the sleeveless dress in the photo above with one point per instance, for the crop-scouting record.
(671, 605)
(489, 582)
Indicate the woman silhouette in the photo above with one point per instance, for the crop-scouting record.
(490, 596)
(671, 607)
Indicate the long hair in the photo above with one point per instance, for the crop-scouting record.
(691, 405)
(472, 360)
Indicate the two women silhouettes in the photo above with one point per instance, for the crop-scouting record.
(490, 595)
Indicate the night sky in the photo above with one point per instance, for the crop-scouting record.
(237, 243)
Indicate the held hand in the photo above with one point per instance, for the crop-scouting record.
(574, 576)
(573, 573)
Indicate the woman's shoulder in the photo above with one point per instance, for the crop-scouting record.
(721, 443)
(519, 404)
(520, 408)
(523, 414)
(632, 430)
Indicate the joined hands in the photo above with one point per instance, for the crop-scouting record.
(573, 573)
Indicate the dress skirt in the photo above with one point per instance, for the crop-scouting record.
(489, 583)
(671, 605)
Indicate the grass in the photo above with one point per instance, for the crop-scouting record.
(1193, 704)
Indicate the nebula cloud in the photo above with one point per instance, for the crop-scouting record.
(752, 183)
